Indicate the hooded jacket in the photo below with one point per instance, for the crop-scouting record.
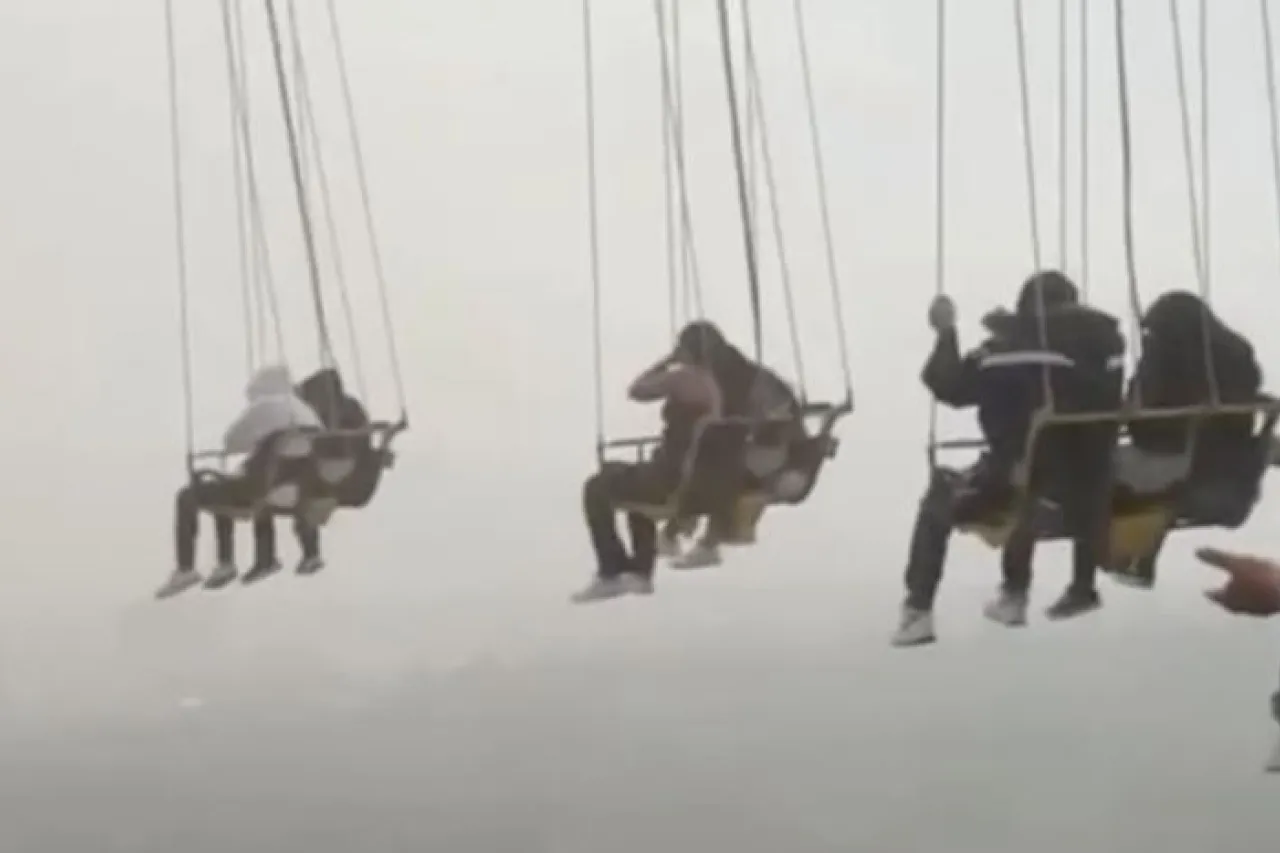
(1080, 350)
(1174, 372)
(338, 410)
(273, 407)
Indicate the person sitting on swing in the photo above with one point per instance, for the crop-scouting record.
(273, 412)
(349, 456)
(1080, 351)
(1182, 340)
(751, 391)
(690, 397)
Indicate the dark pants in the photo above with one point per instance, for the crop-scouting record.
(621, 483)
(931, 536)
(232, 493)
(236, 493)
(718, 478)
(264, 538)
(1082, 490)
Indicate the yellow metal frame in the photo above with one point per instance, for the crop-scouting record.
(1134, 534)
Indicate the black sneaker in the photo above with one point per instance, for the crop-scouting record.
(310, 565)
(1074, 603)
(259, 572)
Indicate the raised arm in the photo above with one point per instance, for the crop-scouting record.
(654, 383)
(952, 378)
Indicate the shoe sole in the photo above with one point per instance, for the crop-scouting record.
(1132, 582)
(165, 594)
(927, 641)
(1007, 623)
(216, 584)
(693, 568)
(1061, 617)
(251, 578)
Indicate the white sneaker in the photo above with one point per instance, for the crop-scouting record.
(915, 629)
(600, 589)
(310, 565)
(1273, 763)
(1008, 609)
(180, 581)
(637, 585)
(223, 574)
(700, 556)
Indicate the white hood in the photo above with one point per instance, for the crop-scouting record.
(272, 380)
(273, 406)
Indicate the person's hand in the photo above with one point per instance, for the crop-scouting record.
(1253, 585)
(942, 313)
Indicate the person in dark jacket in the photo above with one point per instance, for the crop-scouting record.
(1049, 351)
(325, 393)
(1189, 357)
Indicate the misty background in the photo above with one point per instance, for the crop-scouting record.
(433, 685)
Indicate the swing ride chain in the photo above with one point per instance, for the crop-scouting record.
(755, 100)
(744, 204)
(824, 202)
(939, 192)
(300, 187)
(180, 231)
(311, 156)
(366, 203)
(673, 120)
(260, 288)
(593, 220)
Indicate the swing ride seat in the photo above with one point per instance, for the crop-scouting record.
(279, 474)
(351, 485)
(1143, 508)
(767, 467)
(290, 477)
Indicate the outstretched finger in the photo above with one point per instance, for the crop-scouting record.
(1216, 557)
(1232, 562)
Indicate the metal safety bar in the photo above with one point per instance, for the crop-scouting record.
(807, 410)
(1125, 416)
(387, 429)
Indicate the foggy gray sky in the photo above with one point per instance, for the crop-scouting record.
(472, 122)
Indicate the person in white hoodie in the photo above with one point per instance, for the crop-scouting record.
(274, 409)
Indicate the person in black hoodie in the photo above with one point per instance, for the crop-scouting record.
(350, 456)
(1049, 339)
(1178, 370)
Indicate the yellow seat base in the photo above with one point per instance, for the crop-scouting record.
(1133, 535)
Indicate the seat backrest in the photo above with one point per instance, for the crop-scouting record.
(360, 485)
